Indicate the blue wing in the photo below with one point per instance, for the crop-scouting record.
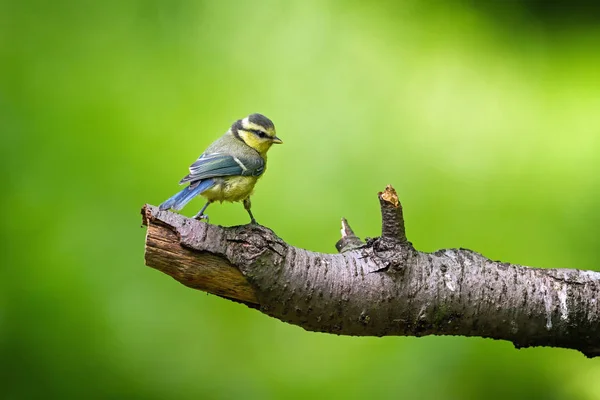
(208, 167)
(217, 165)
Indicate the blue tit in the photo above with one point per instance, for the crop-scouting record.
(229, 168)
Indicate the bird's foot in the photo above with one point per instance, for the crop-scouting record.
(201, 217)
(253, 222)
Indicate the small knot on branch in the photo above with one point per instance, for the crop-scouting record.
(349, 240)
(392, 220)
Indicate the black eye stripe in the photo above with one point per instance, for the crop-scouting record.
(259, 133)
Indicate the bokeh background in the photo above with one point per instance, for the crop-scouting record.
(486, 119)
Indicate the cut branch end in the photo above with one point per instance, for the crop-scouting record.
(390, 195)
(392, 219)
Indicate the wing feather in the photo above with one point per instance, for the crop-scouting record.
(218, 165)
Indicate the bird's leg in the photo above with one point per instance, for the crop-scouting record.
(201, 215)
(247, 207)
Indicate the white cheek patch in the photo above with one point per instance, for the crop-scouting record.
(245, 136)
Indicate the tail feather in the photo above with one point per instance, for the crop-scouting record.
(180, 199)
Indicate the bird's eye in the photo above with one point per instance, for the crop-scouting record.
(260, 134)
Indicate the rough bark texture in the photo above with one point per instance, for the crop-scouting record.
(382, 287)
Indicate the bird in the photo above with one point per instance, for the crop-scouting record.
(229, 168)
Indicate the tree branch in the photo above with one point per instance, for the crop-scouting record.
(382, 287)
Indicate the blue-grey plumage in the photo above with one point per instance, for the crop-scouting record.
(229, 168)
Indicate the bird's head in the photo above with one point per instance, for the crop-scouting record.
(257, 131)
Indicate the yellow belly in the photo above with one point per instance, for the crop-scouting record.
(234, 188)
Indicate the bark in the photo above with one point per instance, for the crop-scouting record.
(382, 287)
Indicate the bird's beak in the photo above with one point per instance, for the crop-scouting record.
(276, 140)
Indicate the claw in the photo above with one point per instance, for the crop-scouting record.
(201, 217)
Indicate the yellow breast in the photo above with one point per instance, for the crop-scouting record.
(233, 188)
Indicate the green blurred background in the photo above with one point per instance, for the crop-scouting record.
(486, 119)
